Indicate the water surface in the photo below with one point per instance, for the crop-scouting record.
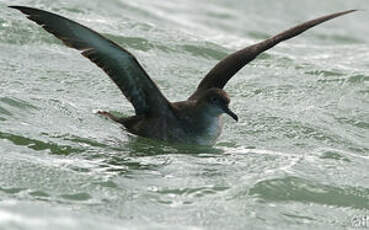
(297, 159)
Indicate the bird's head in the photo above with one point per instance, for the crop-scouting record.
(216, 101)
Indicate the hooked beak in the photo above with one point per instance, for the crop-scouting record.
(230, 113)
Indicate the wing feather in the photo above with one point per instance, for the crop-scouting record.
(222, 72)
(121, 66)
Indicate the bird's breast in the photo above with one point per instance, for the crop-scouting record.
(211, 130)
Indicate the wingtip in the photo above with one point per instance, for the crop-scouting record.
(344, 12)
(20, 8)
(348, 11)
(352, 10)
(15, 7)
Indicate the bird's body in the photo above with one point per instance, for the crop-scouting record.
(184, 128)
(197, 120)
(190, 122)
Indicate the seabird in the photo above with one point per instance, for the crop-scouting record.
(194, 121)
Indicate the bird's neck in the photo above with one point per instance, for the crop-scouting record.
(202, 123)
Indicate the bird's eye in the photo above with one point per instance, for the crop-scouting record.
(213, 99)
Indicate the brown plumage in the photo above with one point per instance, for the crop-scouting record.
(194, 121)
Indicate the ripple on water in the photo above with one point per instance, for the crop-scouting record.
(39, 194)
(77, 196)
(356, 122)
(4, 112)
(193, 192)
(184, 196)
(334, 155)
(12, 190)
(20, 33)
(339, 39)
(207, 50)
(275, 128)
(40, 145)
(8, 106)
(337, 76)
(258, 35)
(295, 189)
(358, 78)
(325, 73)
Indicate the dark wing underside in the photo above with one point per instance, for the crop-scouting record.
(230, 65)
(121, 66)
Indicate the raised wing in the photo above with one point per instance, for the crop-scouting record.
(121, 66)
(230, 65)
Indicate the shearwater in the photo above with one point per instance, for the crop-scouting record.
(198, 120)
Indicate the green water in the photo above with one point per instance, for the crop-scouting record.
(297, 159)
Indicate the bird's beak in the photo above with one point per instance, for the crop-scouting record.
(230, 113)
